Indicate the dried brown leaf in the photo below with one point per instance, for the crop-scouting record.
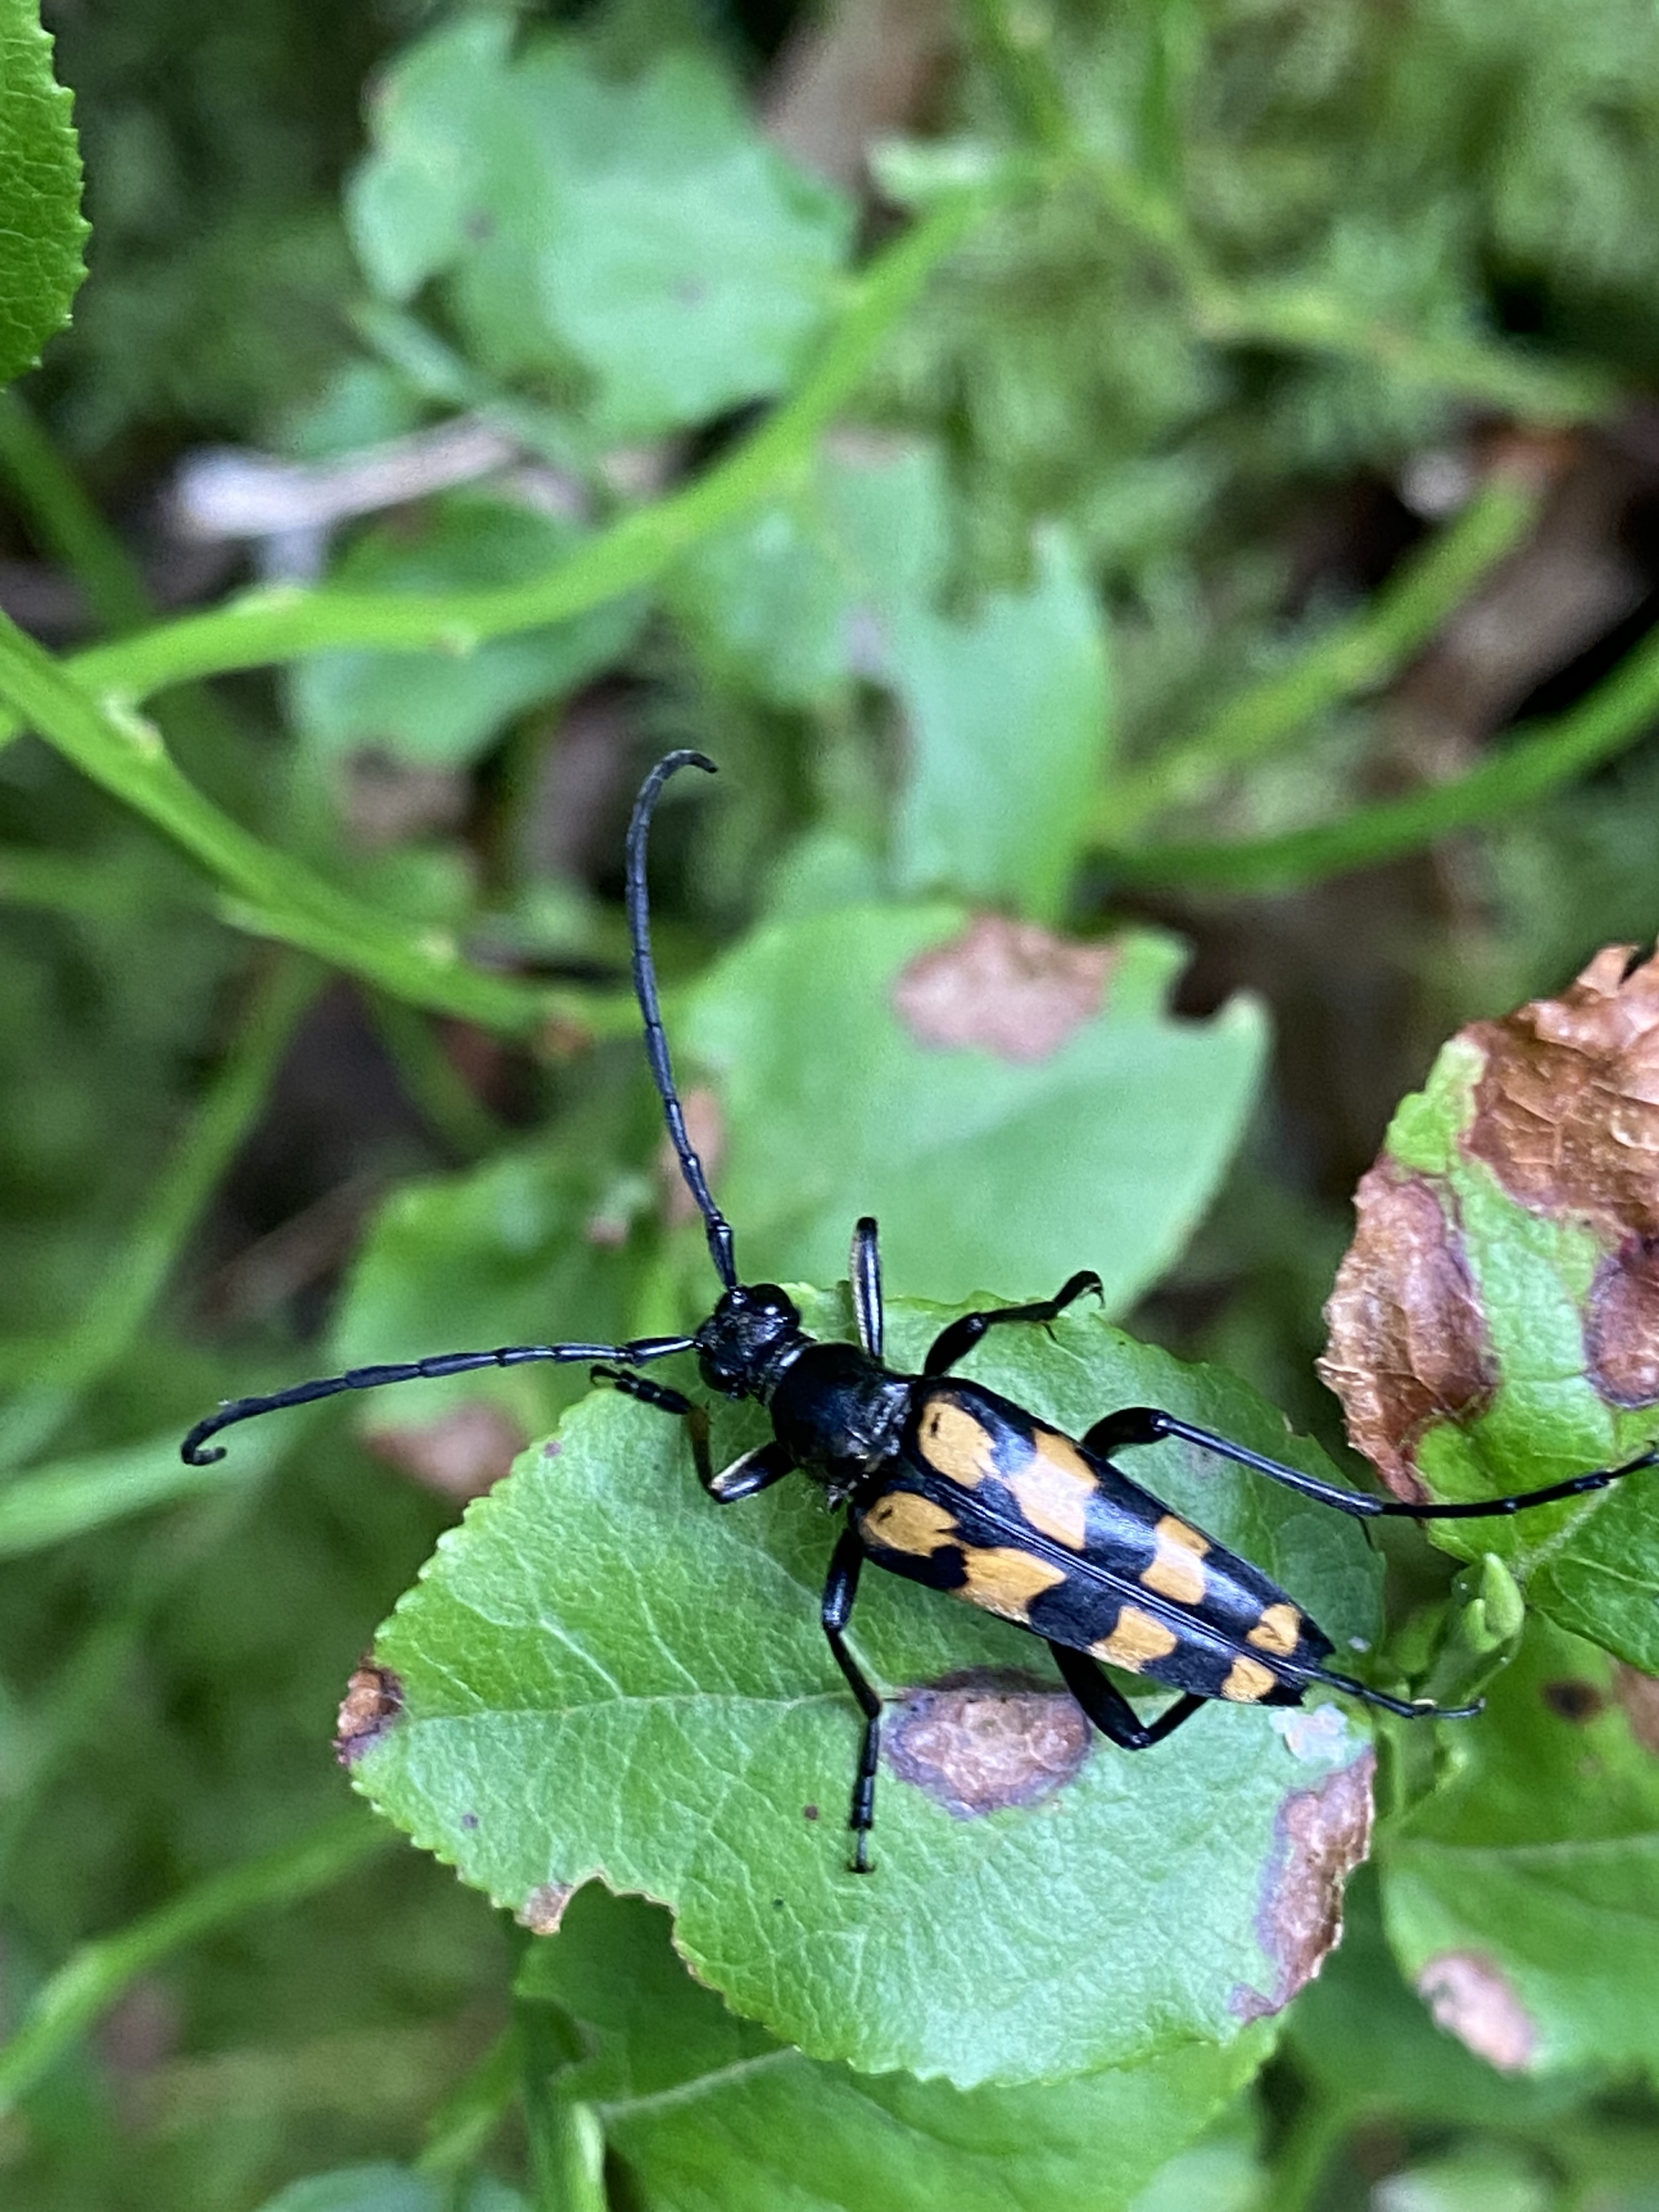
(1408, 1345)
(1321, 1835)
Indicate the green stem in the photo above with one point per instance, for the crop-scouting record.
(1530, 766)
(273, 894)
(267, 626)
(1352, 657)
(66, 523)
(1305, 2155)
(458, 2132)
(93, 1977)
(434, 1084)
(567, 2138)
(150, 1249)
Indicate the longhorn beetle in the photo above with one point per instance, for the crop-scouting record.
(953, 1487)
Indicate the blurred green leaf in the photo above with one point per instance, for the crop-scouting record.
(1008, 720)
(643, 230)
(444, 709)
(707, 2109)
(41, 229)
(392, 2188)
(601, 1675)
(1089, 1139)
(1523, 1896)
(517, 1251)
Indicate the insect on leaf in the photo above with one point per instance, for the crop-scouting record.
(602, 1675)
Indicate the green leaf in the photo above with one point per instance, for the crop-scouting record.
(1008, 715)
(50, 1505)
(1099, 1145)
(444, 709)
(602, 1675)
(1371, 2045)
(41, 228)
(1523, 1897)
(642, 230)
(707, 2109)
(391, 2188)
(517, 1251)
(1514, 1393)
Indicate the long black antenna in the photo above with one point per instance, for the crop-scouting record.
(635, 1354)
(645, 988)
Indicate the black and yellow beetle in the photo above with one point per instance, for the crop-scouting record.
(953, 1487)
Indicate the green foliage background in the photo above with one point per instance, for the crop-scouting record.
(1033, 510)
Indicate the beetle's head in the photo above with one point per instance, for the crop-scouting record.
(738, 1345)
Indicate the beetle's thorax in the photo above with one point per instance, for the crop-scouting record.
(750, 1341)
(840, 1414)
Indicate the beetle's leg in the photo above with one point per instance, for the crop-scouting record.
(957, 1341)
(755, 1471)
(1110, 1711)
(1148, 1424)
(840, 1589)
(864, 1274)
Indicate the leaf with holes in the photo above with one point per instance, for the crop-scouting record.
(41, 228)
(602, 1674)
(1011, 1105)
(705, 2108)
(1495, 1325)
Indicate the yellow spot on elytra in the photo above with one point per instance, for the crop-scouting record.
(1279, 1630)
(955, 1443)
(1005, 1580)
(1175, 1570)
(1052, 1488)
(901, 1522)
(1136, 1639)
(1249, 1680)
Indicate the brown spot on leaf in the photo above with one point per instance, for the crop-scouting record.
(1475, 2000)
(1621, 1324)
(985, 1739)
(1008, 986)
(1639, 1694)
(543, 1910)
(1407, 1346)
(374, 1699)
(1567, 1106)
(1320, 1836)
(706, 1127)
(1572, 1699)
(461, 1454)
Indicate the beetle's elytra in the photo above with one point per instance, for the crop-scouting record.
(947, 1483)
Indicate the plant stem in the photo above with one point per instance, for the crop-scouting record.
(273, 894)
(91, 1979)
(150, 1250)
(66, 523)
(267, 626)
(1540, 760)
(1351, 657)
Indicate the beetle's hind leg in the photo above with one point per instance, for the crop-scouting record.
(1111, 1710)
(840, 1589)
(1149, 1424)
(957, 1341)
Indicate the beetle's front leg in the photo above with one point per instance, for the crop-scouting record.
(839, 1592)
(756, 1470)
